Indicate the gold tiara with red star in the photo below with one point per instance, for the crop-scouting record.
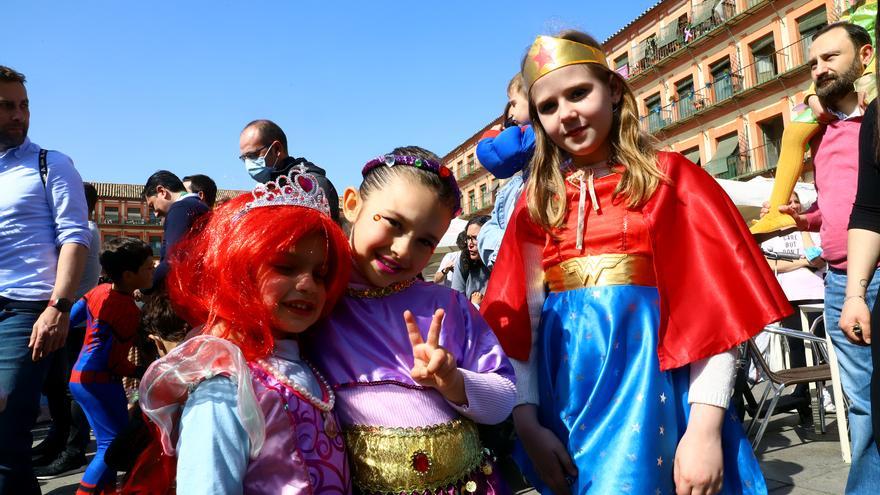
(548, 54)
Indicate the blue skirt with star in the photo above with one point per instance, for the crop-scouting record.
(603, 394)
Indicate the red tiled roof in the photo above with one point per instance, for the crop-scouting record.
(133, 191)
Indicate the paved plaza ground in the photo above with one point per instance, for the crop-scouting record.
(795, 460)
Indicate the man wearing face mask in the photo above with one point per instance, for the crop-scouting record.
(263, 148)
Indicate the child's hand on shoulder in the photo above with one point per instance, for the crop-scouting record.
(434, 366)
(823, 116)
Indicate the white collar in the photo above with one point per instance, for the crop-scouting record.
(857, 112)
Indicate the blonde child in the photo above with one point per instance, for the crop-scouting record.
(506, 154)
(618, 307)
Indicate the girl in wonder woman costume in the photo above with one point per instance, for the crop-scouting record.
(619, 310)
(413, 364)
(237, 405)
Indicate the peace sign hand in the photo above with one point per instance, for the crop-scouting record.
(434, 366)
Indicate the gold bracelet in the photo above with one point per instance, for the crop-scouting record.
(845, 299)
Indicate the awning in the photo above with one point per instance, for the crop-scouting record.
(668, 34)
(762, 43)
(693, 155)
(446, 245)
(814, 19)
(726, 148)
(749, 196)
(701, 12)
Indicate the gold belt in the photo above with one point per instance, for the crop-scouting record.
(601, 270)
(407, 460)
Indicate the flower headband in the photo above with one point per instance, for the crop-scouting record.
(548, 54)
(442, 171)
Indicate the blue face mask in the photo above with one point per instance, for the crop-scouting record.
(257, 168)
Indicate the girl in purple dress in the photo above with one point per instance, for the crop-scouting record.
(413, 364)
(237, 407)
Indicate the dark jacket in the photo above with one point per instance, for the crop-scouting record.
(320, 174)
(177, 223)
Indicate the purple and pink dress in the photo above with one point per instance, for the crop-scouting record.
(402, 437)
(290, 445)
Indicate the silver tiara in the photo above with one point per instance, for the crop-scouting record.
(298, 188)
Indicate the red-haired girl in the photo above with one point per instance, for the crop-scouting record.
(237, 405)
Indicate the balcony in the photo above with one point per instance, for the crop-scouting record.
(128, 221)
(656, 119)
(706, 17)
(749, 163)
(763, 71)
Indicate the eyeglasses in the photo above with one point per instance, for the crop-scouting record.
(471, 238)
(252, 155)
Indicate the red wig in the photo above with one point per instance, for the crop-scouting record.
(213, 273)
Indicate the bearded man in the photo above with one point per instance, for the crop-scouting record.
(838, 56)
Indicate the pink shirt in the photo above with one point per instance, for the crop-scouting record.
(836, 159)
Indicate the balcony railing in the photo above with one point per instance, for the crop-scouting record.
(706, 17)
(749, 163)
(128, 221)
(725, 86)
(685, 106)
(656, 119)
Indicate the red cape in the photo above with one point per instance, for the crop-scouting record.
(716, 289)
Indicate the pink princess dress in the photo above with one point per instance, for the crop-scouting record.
(293, 443)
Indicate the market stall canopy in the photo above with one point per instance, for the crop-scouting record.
(447, 244)
(749, 196)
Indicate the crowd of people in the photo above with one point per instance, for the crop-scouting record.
(284, 341)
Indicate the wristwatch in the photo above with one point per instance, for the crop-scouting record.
(62, 304)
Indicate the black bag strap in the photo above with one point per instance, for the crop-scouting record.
(44, 167)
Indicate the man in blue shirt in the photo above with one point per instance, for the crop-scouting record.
(44, 238)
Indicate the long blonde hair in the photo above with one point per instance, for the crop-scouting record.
(629, 146)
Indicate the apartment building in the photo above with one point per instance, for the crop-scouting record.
(718, 80)
(478, 186)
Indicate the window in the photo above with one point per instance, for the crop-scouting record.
(156, 244)
(484, 196)
(459, 169)
(471, 163)
(621, 65)
(111, 214)
(771, 135)
(655, 116)
(472, 201)
(808, 25)
(723, 164)
(764, 53)
(687, 102)
(723, 80)
(153, 218)
(133, 215)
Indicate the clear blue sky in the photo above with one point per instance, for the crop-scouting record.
(129, 87)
